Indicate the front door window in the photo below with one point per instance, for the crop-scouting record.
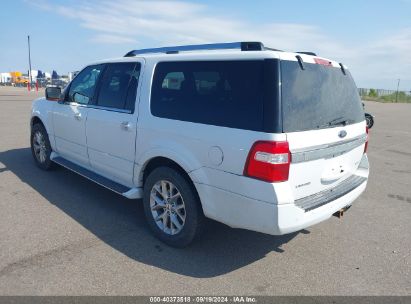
(83, 86)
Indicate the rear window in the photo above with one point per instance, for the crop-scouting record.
(317, 97)
(221, 93)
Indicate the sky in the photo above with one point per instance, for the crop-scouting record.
(373, 38)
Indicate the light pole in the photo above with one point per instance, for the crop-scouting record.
(398, 85)
(28, 43)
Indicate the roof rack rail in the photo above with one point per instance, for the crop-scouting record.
(307, 53)
(243, 46)
(272, 49)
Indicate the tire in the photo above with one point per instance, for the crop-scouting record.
(370, 121)
(170, 197)
(40, 147)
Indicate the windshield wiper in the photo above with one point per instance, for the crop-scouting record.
(336, 122)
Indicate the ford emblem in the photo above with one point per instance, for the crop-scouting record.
(342, 133)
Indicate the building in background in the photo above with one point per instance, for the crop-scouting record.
(5, 78)
(38, 77)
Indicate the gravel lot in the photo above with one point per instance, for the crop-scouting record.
(61, 234)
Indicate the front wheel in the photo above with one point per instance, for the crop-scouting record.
(40, 147)
(172, 208)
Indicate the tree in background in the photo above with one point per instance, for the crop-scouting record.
(373, 93)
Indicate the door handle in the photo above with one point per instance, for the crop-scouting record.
(77, 116)
(125, 125)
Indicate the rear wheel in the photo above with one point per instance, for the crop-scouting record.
(40, 147)
(172, 207)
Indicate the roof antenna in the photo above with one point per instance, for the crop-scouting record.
(300, 62)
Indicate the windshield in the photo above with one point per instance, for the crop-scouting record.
(317, 97)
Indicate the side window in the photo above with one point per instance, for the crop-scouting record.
(119, 86)
(173, 81)
(207, 82)
(221, 93)
(83, 86)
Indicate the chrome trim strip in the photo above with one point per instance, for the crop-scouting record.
(324, 197)
(326, 151)
(109, 109)
(98, 107)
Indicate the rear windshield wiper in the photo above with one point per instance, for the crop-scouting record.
(336, 122)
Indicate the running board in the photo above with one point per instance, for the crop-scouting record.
(131, 193)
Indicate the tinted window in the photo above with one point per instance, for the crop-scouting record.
(119, 86)
(222, 93)
(132, 89)
(83, 85)
(316, 96)
(173, 81)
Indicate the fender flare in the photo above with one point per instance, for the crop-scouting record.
(36, 115)
(184, 158)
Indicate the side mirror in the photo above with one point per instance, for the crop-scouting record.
(53, 93)
(80, 98)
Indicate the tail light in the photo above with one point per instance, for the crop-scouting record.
(269, 161)
(366, 140)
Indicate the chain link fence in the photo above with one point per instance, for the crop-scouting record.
(385, 95)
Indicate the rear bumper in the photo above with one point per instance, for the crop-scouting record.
(240, 211)
(292, 218)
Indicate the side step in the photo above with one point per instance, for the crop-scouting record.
(98, 179)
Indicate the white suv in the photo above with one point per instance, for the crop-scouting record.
(249, 136)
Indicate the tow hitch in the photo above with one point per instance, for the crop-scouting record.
(340, 212)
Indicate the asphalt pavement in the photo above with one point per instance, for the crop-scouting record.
(61, 234)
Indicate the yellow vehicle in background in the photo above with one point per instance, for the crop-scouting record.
(17, 79)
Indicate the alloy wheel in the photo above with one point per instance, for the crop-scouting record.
(39, 146)
(167, 207)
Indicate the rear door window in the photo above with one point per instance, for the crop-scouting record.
(221, 93)
(119, 86)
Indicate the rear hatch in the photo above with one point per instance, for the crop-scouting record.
(323, 120)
